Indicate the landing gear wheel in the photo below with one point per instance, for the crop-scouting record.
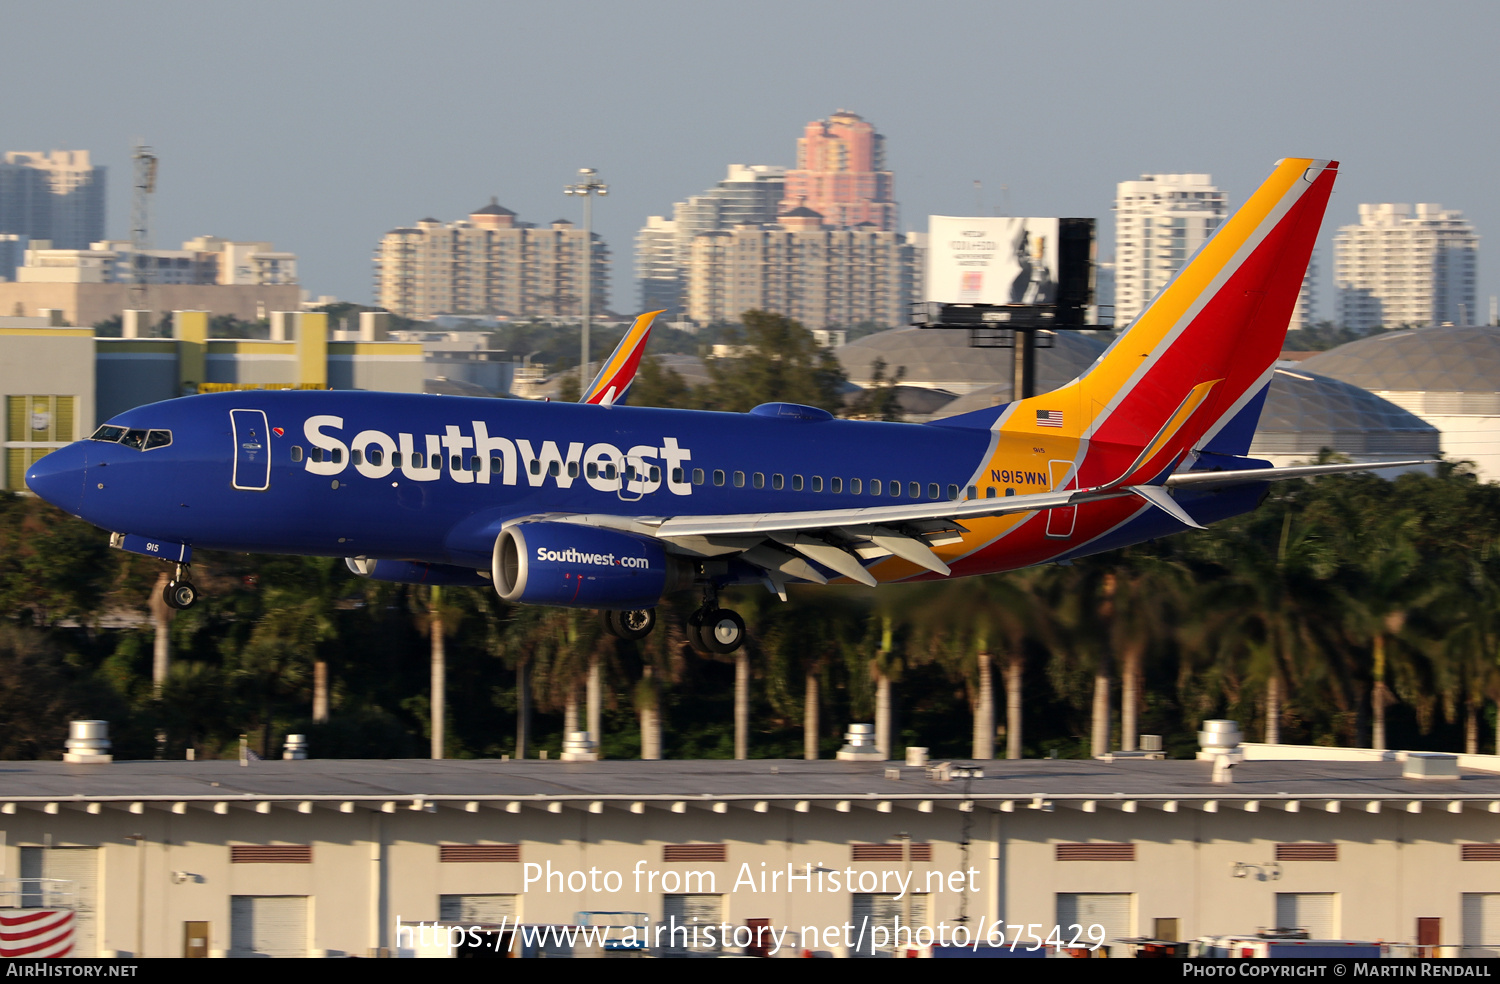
(717, 630)
(629, 624)
(179, 594)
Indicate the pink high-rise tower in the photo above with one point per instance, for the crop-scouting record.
(841, 174)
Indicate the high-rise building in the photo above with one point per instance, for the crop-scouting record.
(804, 269)
(205, 260)
(749, 195)
(1160, 221)
(841, 174)
(58, 197)
(487, 264)
(1401, 266)
(1305, 313)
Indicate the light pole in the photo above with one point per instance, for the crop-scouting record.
(588, 186)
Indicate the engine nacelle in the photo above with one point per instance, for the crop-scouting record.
(575, 566)
(413, 572)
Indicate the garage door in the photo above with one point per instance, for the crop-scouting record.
(1482, 924)
(268, 926)
(1316, 912)
(1115, 911)
(883, 911)
(691, 911)
(76, 886)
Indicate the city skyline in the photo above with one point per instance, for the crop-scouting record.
(331, 156)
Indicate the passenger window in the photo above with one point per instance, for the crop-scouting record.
(553, 469)
(835, 485)
(592, 471)
(697, 476)
(476, 464)
(375, 456)
(496, 464)
(296, 453)
(1010, 491)
(914, 489)
(158, 439)
(796, 483)
(777, 481)
(655, 473)
(759, 480)
(989, 493)
(932, 490)
(455, 463)
(817, 483)
(854, 486)
(895, 490)
(718, 476)
(739, 479)
(356, 456)
(572, 469)
(316, 454)
(609, 471)
(874, 486)
(134, 439)
(536, 466)
(437, 462)
(676, 476)
(338, 456)
(953, 493)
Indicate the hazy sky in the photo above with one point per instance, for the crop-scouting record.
(320, 126)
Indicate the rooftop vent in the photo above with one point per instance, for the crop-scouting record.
(88, 743)
(1430, 765)
(859, 745)
(579, 746)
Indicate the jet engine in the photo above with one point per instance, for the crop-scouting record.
(413, 572)
(576, 566)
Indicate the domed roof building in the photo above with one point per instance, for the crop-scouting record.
(1448, 376)
(1305, 413)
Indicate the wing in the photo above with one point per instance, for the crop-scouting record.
(618, 371)
(801, 545)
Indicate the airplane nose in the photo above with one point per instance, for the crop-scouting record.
(59, 477)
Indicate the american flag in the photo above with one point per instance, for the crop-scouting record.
(1049, 418)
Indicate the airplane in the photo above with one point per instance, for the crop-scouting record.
(602, 506)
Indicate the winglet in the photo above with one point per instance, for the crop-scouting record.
(618, 371)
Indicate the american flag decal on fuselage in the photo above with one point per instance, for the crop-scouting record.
(1049, 418)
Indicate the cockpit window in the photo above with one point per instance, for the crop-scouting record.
(108, 432)
(134, 439)
(158, 439)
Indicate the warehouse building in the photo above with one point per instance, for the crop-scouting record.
(309, 857)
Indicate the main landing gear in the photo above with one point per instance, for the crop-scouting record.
(715, 631)
(634, 624)
(179, 592)
(711, 630)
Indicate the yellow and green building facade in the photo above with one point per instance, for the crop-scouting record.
(58, 383)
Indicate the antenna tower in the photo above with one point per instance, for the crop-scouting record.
(144, 186)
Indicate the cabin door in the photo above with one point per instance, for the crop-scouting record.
(252, 450)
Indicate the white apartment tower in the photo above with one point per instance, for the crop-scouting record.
(1160, 220)
(748, 195)
(491, 264)
(1405, 266)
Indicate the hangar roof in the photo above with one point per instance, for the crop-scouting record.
(1443, 359)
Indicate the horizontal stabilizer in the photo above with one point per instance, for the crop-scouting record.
(1211, 479)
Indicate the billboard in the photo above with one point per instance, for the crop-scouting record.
(992, 260)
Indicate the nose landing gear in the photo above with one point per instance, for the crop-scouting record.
(179, 592)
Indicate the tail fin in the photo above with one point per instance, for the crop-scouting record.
(618, 371)
(1204, 348)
